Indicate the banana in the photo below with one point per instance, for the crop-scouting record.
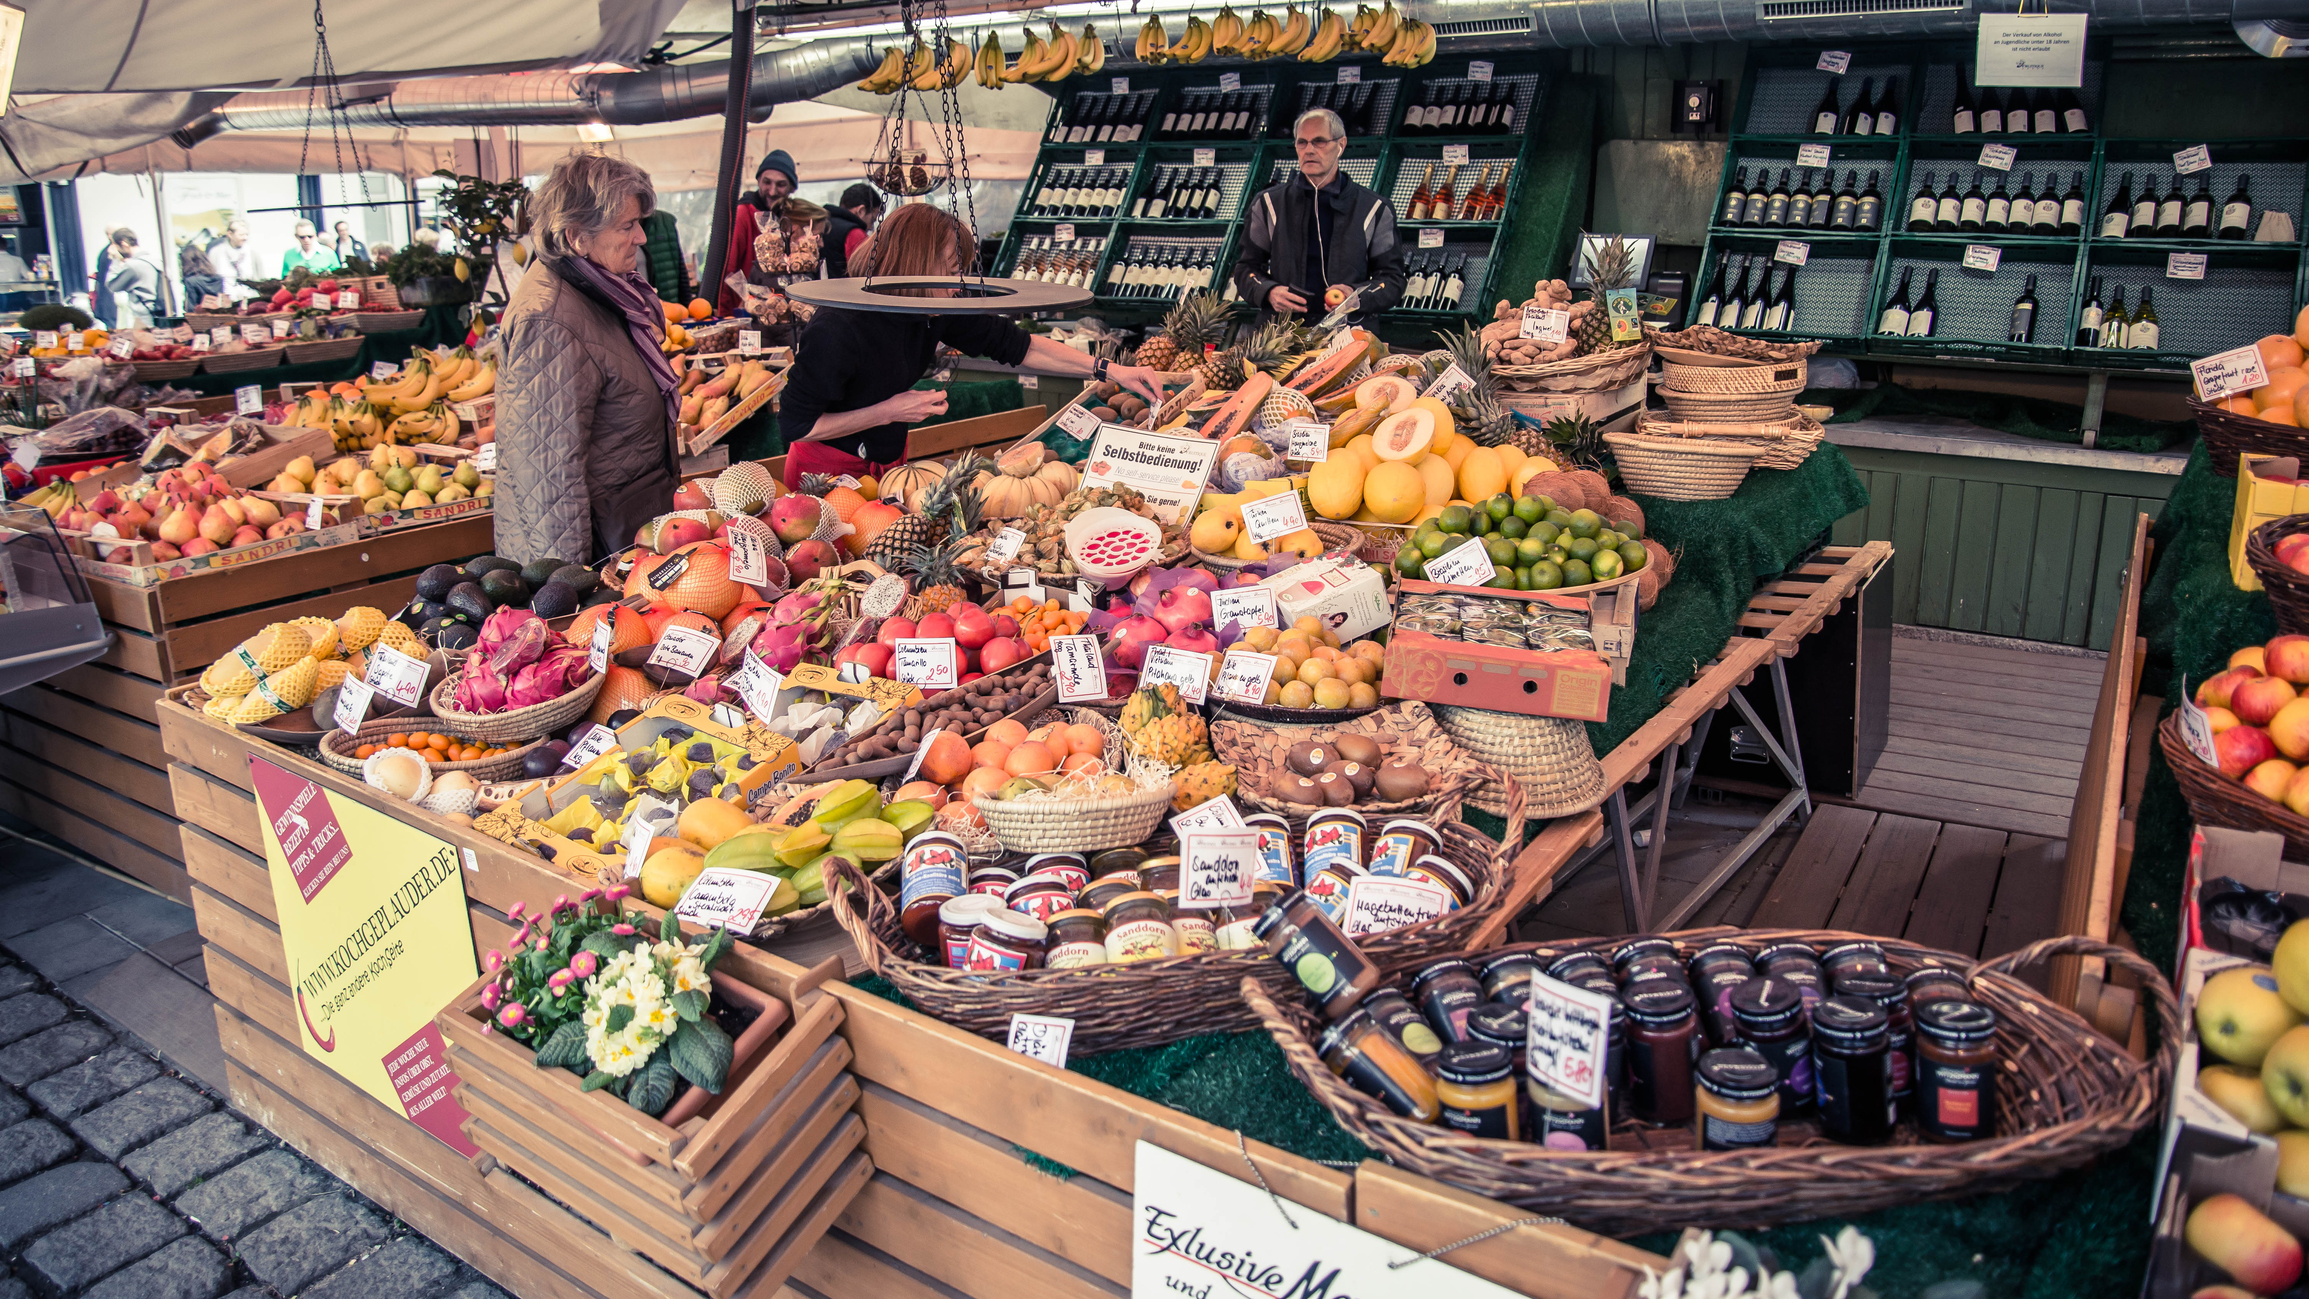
(480, 385)
(1330, 35)
(990, 62)
(1384, 26)
(1426, 45)
(431, 394)
(1092, 55)
(958, 62)
(1197, 44)
(922, 67)
(1060, 57)
(1227, 31)
(1365, 16)
(1296, 33)
(1028, 56)
(450, 428)
(884, 78)
(1153, 43)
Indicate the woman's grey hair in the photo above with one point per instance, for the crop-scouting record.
(1332, 122)
(582, 196)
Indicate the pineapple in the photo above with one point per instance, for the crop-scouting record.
(1478, 410)
(1613, 268)
(1488, 422)
(939, 511)
(1575, 442)
(843, 501)
(937, 581)
(1270, 349)
(1199, 319)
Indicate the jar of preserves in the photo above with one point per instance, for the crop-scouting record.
(1956, 1070)
(1797, 964)
(1401, 842)
(1316, 952)
(1040, 896)
(1738, 1100)
(932, 872)
(1935, 983)
(1508, 977)
(1637, 949)
(1507, 1027)
(1334, 837)
(1138, 928)
(1578, 967)
(1653, 967)
(1615, 1061)
(1890, 992)
(1858, 957)
(1374, 1063)
(1769, 1011)
(1107, 888)
(1077, 938)
(1561, 1122)
(1236, 923)
(1394, 1012)
(1160, 874)
(1197, 928)
(956, 919)
(1068, 866)
(1717, 972)
(992, 881)
(1006, 940)
(1444, 874)
(1475, 1088)
(1447, 992)
(1663, 1041)
(1852, 1071)
(1115, 859)
(1328, 889)
(1277, 865)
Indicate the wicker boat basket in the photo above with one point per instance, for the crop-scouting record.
(1595, 372)
(325, 349)
(1151, 1003)
(2227, 434)
(1549, 761)
(1045, 824)
(382, 322)
(1681, 469)
(1764, 378)
(337, 750)
(1334, 536)
(1707, 341)
(2215, 799)
(258, 358)
(2288, 588)
(533, 722)
(1744, 406)
(1406, 729)
(1789, 442)
(2065, 1095)
(161, 371)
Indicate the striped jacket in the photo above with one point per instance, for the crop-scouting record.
(1363, 253)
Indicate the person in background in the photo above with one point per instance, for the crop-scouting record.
(847, 225)
(661, 257)
(100, 305)
(587, 402)
(235, 261)
(197, 272)
(1316, 231)
(345, 245)
(13, 271)
(773, 180)
(308, 255)
(135, 283)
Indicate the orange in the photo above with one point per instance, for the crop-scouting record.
(1030, 758)
(675, 311)
(2301, 327)
(990, 753)
(2283, 383)
(396, 741)
(2282, 415)
(1009, 733)
(364, 751)
(1086, 763)
(699, 309)
(2234, 405)
(2279, 351)
(983, 782)
(1083, 738)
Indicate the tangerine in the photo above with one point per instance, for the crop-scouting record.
(1082, 738)
(700, 309)
(990, 753)
(1030, 758)
(1009, 732)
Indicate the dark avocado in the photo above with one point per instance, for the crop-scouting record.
(505, 587)
(553, 600)
(480, 564)
(577, 577)
(601, 597)
(537, 572)
(469, 599)
(456, 634)
(430, 629)
(621, 717)
(434, 582)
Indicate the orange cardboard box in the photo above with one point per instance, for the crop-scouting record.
(1570, 683)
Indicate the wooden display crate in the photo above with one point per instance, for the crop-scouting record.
(81, 757)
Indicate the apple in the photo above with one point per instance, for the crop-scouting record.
(2220, 719)
(2239, 1091)
(2287, 657)
(2290, 545)
(2242, 748)
(2285, 1074)
(2214, 691)
(935, 626)
(2271, 779)
(2252, 656)
(875, 656)
(2240, 1013)
(1005, 626)
(2291, 963)
(2254, 702)
(2240, 1240)
(2289, 730)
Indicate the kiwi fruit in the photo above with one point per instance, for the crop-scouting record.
(1299, 789)
(1308, 757)
(1354, 773)
(1335, 790)
(1352, 747)
(1400, 781)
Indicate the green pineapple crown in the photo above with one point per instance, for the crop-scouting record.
(1199, 318)
(931, 566)
(1577, 437)
(816, 484)
(961, 482)
(1612, 268)
(1270, 348)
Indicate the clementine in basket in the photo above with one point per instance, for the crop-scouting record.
(1030, 759)
(1088, 764)
(982, 783)
(1009, 732)
(2283, 383)
(2282, 415)
(2239, 406)
(2300, 409)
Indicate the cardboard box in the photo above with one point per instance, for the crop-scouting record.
(1346, 594)
(2240, 893)
(2267, 490)
(1569, 683)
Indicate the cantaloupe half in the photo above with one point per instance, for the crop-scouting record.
(1405, 435)
(1390, 392)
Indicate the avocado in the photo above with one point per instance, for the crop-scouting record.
(553, 600)
(421, 607)
(505, 586)
(577, 577)
(434, 582)
(456, 634)
(480, 564)
(469, 599)
(601, 597)
(537, 572)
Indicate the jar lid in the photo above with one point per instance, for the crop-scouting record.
(1849, 1022)
(978, 873)
(1454, 877)
(1039, 881)
(1130, 899)
(1886, 989)
(1449, 965)
(1658, 1003)
(1411, 823)
(1722, 954)
(1016, 924)
(1603, 984)
(1151, 863)
(1863, 950)
(1937, 974)
(1337, 1033)
(1637, 948)
(1116, 859)
(1737, 1073)
(1268, 890)
(1339, 813)
(966, 911)
(1473, 1063)
(1508, 961)
(1567, 969)
(1038, 861)
(1766, 1002)
(1378, 997)
(1501, 1023)
(1268, 821)
(1277, 913)
(1072, 915)
(1956, 1021)
(1784, 952)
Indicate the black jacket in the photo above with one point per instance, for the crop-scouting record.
(1361, 250)
(839, 224)
(848, 360)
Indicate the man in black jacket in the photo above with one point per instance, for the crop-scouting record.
(847, 225)
(1290, 258)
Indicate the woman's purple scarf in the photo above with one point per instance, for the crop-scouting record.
(631, 296)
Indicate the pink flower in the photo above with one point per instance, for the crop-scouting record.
(513, 1015)
(560, 903)
(621, 930)
(519, 909)
(542, 944)
(560, 980)
(584, 964)
(591, 894)
(487, 1028)
(494, 960)
(490, 996)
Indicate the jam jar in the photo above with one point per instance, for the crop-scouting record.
(1935, 983)
(1505, 1026)
(1444, 874)
(1769, 1011)
(1335, 837)
(1394, 1012)
(955, 921)
(1197, 927)
(1955, 1070)
(1852, 1071)
(1401, 842)
(1615, 1062)
(1236, 923)
(1889, 991)
(1447, 992)
(1578, 967)
(1508, 978)
(1115, 859)
(1007, 940)
(1475, 1087)
(1317, 953)
(1663, 1041)
(1107, 888)
(1138, 928)
(992, 881)
(1077, 938)
(1717, 972)
(931, 872)
(1160, 874)
(1040, 896)
(1637, 949)
(1738, 1100)
(1561, 1122)
(1796, 964)
(1328, 888)
(1068, 866)
(1857, 957)
(1277, 864)
(1374, 1063)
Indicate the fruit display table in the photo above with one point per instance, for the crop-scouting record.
(441, 327)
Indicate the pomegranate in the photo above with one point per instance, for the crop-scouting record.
(1130, 638)
(1195, 577)
(1194, 638)
(1182, 605)
(893, 629)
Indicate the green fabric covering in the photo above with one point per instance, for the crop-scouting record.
(2048, 421)
(441, 327)
(759, 438)
(2191, 612)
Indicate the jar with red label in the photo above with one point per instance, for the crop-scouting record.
(1334, 838)
(1197, 927)
(1007, 940)
(993, 881)
(1040, 896)
(1138, 928)
(1327, 888)
(1400, 843)
(932, 872)
(957, 919)
(1277, 865)
(1077, 938)
(1068, 866)
(1956, 1070)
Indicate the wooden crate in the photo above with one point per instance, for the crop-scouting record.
(81, 758)
(170, 631)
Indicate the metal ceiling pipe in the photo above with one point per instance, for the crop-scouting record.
(1572, 24)
(662, 94)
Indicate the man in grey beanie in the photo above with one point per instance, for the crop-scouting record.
(773, 181)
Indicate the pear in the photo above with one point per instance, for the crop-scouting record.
(398, 479)
(430, 480)
(415, 499)
(261, 512)
(216, 526)
(452, 492)
(466, 476)
(368, 485)
(181, 526)
(380, 457)
(285, 483)
(391, 500)
(300, 469)
(487, 489)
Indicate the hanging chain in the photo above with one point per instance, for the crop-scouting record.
(323, 94)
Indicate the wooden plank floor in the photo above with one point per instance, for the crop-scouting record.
(1586, 904)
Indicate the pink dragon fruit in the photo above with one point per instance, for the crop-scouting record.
(782, 647)
(512, 638)
(561, 670)
(480, 687)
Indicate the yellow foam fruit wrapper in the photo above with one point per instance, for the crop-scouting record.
(226, 679)
(254, 707)
(270, 650)
(294, 685)
(328, 674)
(358, 626)
(221, 707)
(396, 635)
(323, 633)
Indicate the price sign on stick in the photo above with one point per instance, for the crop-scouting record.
(313, 515)
(1450, 384)
(593, 744)
(921, 751)
(396, 675)
(1213, 814)
(1466, 564)
(1006, 544)
(249, 400)
(644, 817)
(220, 335)
(1081, 674)
(597, 651)
(925, 662)
(758, 684)
(1189, 671)
(382, 370)
(1837, 62)
(1565, 1039)
(1045, 1037)
(2224, 373)
(122, 347)
(725, 897)
(353, 705)
(685, 649)
(1252, 606)
(749, 558)
(1078, 421)
(1378, 904)
(485, 459)
(1217, 868)
(1244, 676)
(1273, 516)
(1546, 324)
(1310, 440)
(2000, 157)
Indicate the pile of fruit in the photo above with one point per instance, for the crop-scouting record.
(2260, 722)
(387, 478)
(2284, 399)
(410, 406)
(1535, 544)
(2249, 1021)
(1037, 623)
(435, 747)
(1344, 770)
(961, 712)
(185, 511)
(290, 665)
(1313, 670)
(849, 819)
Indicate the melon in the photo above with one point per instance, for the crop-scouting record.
(1360, 446)
(870, 521)
(1335, 486)
(1445, 432)
(1405, 435)
(1390, 392)
(1481, 475)
(1435, 471)
(703, 583)
(1395, 492)
(1511, 457)
(905, 484)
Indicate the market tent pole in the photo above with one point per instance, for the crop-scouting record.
(733, 142)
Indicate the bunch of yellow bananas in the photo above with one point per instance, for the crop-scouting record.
(54, 498)
(1154, 44)
(1329, 39)
(1196, 45)
(1281, 38)
(437, 425)
(1414, 46)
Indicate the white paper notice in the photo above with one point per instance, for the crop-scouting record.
(2229, 372)
(921, 751)
(1081, 673)
(1450, 384)
(46, 338)
(1065, 232)
(1206, 158)
(485, 459)
(1251, 606)
(1045, 1037)
(280, 330)
(758, 684)
(1812, 155)
(2197, 729)
(1094, 157)
(1078, 421)
(249, 400)
(1999, 157)
(2193, 159)
(1230, 81)
(1566, 1039)
(1982, 257)
(1455, 155)
(1378, 904)
(2035, 50)
(1189, 671)
(1838, 62)
(1795, 252)
(1216, 868)
(396, 675)
(1466, 564)
(1005, 544)
(1214, 814)
(1273, 516)
(2184, 266)
(1479, 70)
(201, 342)
(1169, 470)
(220, 335)
(383, 370)
(750, 341)
(597, 647)
(1244, 676)
(1310, 440)
(723, 896)
(1350, 75)
(591, 745)
(1430, 237)
(685, 649)
(313, 509)
(122, 347)
(927, 662)
(1118, 85)
(353, 705)
(749, 558)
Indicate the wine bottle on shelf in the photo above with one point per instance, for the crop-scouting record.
(2072, 206)
(1146, 198)
(1728, 313)
(1829, 114)
(1999, 213)
(1972, 207)
(1949, 211)
(1887, 112)
(2119, 217)
(1214, 188)
(1823, 200)
(2113, 320)
(2237, 213)
(2072, 114)
(1924, 315)
(1455, 283)
(1495, 203)
(1782, 308)
(2088, 329)
(2197, 217)
(2023, 209)
(1800, 201)
(1871, 209)
(1478, 200)
(2145, 210)
(2023, 326)
(1924, 209)
(1441, 207)
(1991, 113)
(1758, 199)
(2017, 117)
(1169, 127)
(1706, 314)
(1423, 197)
(1860, 119)
(2047, 218)
(1895, 318)
(1776, 206)
(1415, 117)
(1752, 302)
(2047, 114)
(2169, 209)
(1735, 199)
(1964, 119)
(1362, 108)
(2141, 333)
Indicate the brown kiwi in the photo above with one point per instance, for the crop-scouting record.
(1400, 781)
(1351, 747)
(1308, 757)
(1336, 790)
(1299, 789)
(1356, 774)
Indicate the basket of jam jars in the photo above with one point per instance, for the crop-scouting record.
(1748, 1077)
(1103, 939)
(1395, 762)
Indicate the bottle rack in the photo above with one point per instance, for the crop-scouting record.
(1154, 241)
(1205, 94)
(2250, 289)
(1386, 159)
(1367, 106)
(1414, 158)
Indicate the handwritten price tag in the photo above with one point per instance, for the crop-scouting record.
(929, 663)
(347, 299)
(220, 335)
(280, 330)
(1350, 75)
(2184, 266)
(1466, 564)
(1310, 440)
(485, 460)
(1217, 868)
(758, 684)
(75, 341)
(44, 338)
(749, 558)
(1250, 606)
(1045, 1037)
(724, 897)
(1430, 237)
(1081, 674)
(353, 705)
(1272, 517)
(1119, 85)
(1451, 384)
(1565, 1039)
(1795, 252)
(750, 341)
(1006, 544)
(23, 367)
(396, 675)
(1455, 155)
(595, 742)
(1982, 257)
(1094, 157)
(1206, 157)
(1838, 62)
(2229, 372)
(256, 335)
(685, 649)
(325, 301)
(1215, 814)
(597, 650)
(1479, 70)
(1078, 421)
(2193, 159)
(1230, 81)
(1811, 155)
(250, 399)
(382, 370)
(313, 515)
(1189, 671)
(122, 346)
(1065, 232)
(1380, 905)
(200, 342)
(182, 333)
(1244, 676)
(1998, 156)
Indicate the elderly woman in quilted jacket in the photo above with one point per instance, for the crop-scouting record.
(586, 401)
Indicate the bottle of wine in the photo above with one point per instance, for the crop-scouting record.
(1871, 212)
(2047, 113)
(1828, 114)
(1800, 201)
(1169, 128)
(1999, 212)
(1847, 206)
(1495, 203)
(2237, 213)
(1776, 206)
(1706, 315)
(1924, 209)
(1446, 200)
(2072, 114)
(2023, 210)
(1888, 110)
(1782, 308)
(2047, 218)
(2119, 217)
(1423, 197)
(1735, 199)
(2017, 117)
(1966, 118)
(1991, 113)
(1753, 302)
(1823, 199)
(1364, 108)
(2088, 330)
(2145, 210)
(1949, 212)
(2113, 320)
(2169, 209)
(1728, 311)
(1860, 119)
(1470, 208)
(1455, 283)
(2141, 334)
(1894, 321)
(1758, 198)
(2023, 326)
(2072, 206)
(2197, 217)
(1922, 316)
(1972, 208)
(1146, 198)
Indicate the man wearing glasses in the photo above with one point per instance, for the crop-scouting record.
(1319, 233)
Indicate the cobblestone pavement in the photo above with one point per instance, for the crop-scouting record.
(123, 1179)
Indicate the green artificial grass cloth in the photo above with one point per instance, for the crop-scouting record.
(759, 438)
(2048, 421)
(2192, 613)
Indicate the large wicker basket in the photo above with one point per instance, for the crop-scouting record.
(1704, 341)
(2065, 1096)
(324, 349)
(1681, 469)
(1595, 372)
(2215, 799)
(1549, 762)
(1762, 378)
(2288, 588)
(1789, 441)
(383, 322)
(337, 750)
(1085, 825)
(1730, 406)
(162, 371)
(2227, 434)
(1404, 729)
(1155, 1002)
(523, 724)
(256, 358)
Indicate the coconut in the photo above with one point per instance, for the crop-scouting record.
(1619, 509)
(1661, 561)
(1595, 486)
(1562, 488)
(1648, 584)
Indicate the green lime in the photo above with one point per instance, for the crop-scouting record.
(1629, 528)
(1633, 557)
(1581, 547)
(1585, 523)
(1409, 562)
(1501, 550)
(1523, 579)
(1605, 565)
(1503, 578)
(1576, 573)
(1546, 504)
(1530, 551)
(1529, 509)
(1512, 527)
(1546, 575)
(1499, 506)
(1454, 519)
(1479, 523)
(1559, 517)
(1609, 539)
(1546, 531)
(1433, 544)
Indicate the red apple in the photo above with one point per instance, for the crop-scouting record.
(2287, 657)
(2231, 1234)
(1005, 625)
(936, 626)
(2220, 719)
(2242, 748)
(1000, 653)
(2256, 701)
(895, 629)
(2214, 691)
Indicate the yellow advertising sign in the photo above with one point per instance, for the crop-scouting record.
(373, 923)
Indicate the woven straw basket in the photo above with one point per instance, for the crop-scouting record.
(1151, 1003)
(1789, 442)
(1402, 730)
(1595, 372)
(2215, 799)
(1075, 824)
(1763, 379)
(1334, 536)
(1548, 761)
(2288, 589)
(2065, 1095)
(337, 750)
(1704, 341)
(324, 349)
(2228, 434)
(533, 722)
(260, 358)
(1751, 406)
(1681, 469)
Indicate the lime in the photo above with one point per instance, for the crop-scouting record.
(1523, 578)
(1499, 506)
(1546, 575)
(1609, 539)
(1585, 523)
(1633, 529)
(1501, 550)
(1546, 531)
(1454, 519)
(1581, 547)
(1576, 573)
(1559, 517)
(1633, 557)
(1546, 504)
(1479, 523)
(1433, 544)
(1512, 527)
(1529, 509)
(1504, 578)
(1605, 565)
(1529, 551)
(1410, 562)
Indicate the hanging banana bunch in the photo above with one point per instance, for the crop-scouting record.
(1331, 36)
(1154, 46)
